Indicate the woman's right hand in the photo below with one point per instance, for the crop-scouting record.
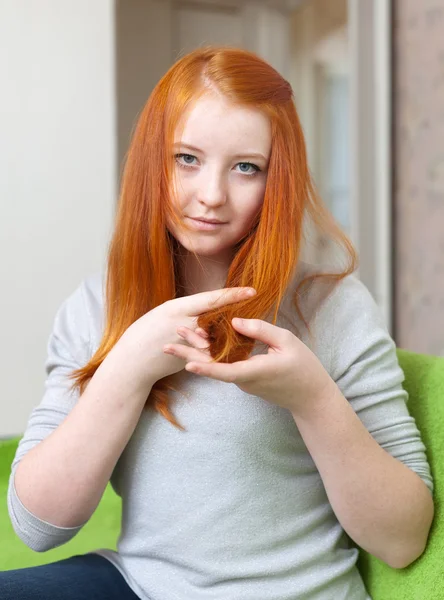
(143, 342)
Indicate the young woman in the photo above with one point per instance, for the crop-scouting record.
(247, 407)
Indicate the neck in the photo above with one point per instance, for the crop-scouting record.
(202, 274)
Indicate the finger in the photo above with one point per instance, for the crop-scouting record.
(198, 304)
(202, 332)
(238, 372)
(187, 353)
(193, 338)
(262, 331)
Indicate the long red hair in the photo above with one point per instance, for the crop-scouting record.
(142, 269)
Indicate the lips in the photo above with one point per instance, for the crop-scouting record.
(200, 224)
(214, 221)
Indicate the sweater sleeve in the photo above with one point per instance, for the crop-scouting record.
(68, 349)
(364, 365)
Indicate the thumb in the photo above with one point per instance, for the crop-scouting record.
(259, 330)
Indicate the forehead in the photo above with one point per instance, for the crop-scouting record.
(214, 121)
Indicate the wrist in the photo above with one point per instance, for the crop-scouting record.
(122, 365)
(319, 403)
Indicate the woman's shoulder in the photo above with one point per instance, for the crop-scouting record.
(332, 317)
(324, 293)
(344, 321)
(93, 289)
(328, 299)
(80, 318)
(351, 307)
(87, 299)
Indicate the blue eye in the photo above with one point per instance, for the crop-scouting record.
(185, 160)
(247, 168)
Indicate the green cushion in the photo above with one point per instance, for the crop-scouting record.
(100, 532)
(422, 580)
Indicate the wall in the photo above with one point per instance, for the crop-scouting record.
(419, 174)
(310, 25)
(57, 177)
(143, 54)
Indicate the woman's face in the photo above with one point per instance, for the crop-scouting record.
(221, 153)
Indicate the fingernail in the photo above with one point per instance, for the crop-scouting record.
(239, 322)
(251, 292)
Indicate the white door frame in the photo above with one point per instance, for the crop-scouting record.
(369, 23)
(369, 50)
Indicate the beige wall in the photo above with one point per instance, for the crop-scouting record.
(144, 53)
(419, 174)
(57, 182)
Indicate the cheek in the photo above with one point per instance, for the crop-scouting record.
(252, 200)
(178, 199)
(179, 189)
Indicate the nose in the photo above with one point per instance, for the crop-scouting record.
(212, 189)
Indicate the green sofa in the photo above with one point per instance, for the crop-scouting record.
(423, 580)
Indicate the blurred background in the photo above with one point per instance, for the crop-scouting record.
(368, 77)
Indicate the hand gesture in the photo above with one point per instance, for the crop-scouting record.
(146, 337)
(288, 375)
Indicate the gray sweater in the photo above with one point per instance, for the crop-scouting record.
(234, 507)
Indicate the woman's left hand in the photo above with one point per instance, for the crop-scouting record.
(289, 375)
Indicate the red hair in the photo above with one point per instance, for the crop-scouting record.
(142, 270)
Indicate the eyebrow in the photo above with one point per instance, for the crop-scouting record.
(243, 155)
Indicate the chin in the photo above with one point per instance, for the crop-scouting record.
(208, 252)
